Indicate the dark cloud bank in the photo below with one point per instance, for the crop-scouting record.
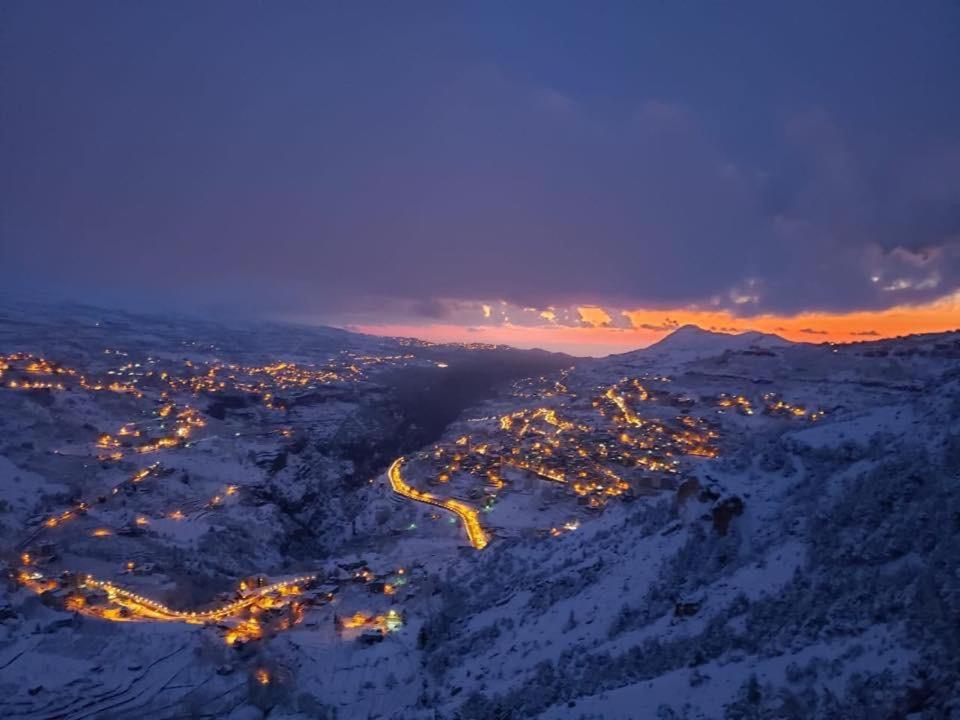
(317, 157)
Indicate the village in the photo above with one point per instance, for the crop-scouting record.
(583, 446)
(162, 400)
(360, 600)
(598, 448)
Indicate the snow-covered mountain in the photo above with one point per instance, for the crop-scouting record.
(690, 342)
(691, 338)
(724, 527)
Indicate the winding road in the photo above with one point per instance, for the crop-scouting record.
(144, 608)
(475, 533)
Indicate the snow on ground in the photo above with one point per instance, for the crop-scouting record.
(702, 692)
(804, 555)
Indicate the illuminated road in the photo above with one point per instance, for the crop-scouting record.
(629, 415)
(144, 608)
(475, 534)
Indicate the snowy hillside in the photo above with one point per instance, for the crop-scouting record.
(205, 521)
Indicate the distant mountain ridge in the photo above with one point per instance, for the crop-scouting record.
(691, 341)
(693, 337)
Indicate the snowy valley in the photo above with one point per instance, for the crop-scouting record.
(252, 520)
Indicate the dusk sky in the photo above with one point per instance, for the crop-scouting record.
(582, 176)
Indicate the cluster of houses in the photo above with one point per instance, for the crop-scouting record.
(595, 461)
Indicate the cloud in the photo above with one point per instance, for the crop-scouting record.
(431, 308)
(665, 326)
(594, 317)
(572, 336)
(342, 194)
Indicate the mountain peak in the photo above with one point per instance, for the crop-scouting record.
(692, 330)
(693, 339)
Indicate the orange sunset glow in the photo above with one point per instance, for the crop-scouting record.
(597, 334)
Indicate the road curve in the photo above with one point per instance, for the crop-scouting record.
(475, 533)
(144, 608)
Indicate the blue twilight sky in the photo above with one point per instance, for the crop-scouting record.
(395, 161)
